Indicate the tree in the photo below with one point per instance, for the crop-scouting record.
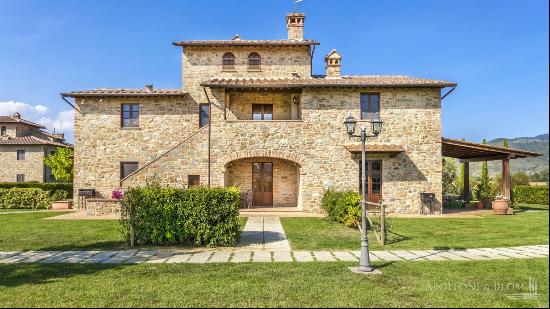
(520, 179)
(61, 164)
(449, 176)
(505, 143)
(483, 190)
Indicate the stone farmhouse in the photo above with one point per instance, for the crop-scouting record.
(23, 146)
(251, 114)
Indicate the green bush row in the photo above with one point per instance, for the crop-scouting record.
(531, 194)
(50, 186)
(31, 198)
(170, 216)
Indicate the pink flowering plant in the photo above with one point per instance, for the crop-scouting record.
(117, 194)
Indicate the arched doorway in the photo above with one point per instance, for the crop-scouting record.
(267, 181)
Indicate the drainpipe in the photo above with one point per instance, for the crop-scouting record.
(311, 61)
(209, 131)
(448, 92)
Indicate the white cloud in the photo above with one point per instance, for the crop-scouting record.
(27, 110)
(61, 122)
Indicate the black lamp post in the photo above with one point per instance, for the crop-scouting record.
(376, 128)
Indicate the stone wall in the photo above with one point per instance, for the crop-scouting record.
(285, 179)
(102, 207)
(412, 120)
(32, 167)
(101, 144)
(241, 104)
(204, 63)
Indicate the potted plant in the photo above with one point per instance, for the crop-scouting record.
(483, 194)
(501, 205)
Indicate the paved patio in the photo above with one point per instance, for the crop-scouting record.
(237, 255)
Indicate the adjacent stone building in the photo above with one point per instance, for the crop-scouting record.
(251, 114)
(23, 146)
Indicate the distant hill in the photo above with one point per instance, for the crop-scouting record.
(529, 165)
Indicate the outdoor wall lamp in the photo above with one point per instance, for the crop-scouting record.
(376, 128)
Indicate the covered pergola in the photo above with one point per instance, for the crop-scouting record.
(468, 152)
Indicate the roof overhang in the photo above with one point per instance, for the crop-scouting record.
(108, 93)
(474, 152)
(231, 43)
(376, 149)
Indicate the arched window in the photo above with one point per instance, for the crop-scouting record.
(3, 131)
(228, 61)
(254, 61)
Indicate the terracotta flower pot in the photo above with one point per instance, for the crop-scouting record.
(479, 205)
(500, 207)
(62, 205)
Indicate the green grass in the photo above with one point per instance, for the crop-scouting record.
(31, 231)
(403, 284)
(525, 228)
(526, 207)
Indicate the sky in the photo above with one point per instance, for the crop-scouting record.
(497, 51)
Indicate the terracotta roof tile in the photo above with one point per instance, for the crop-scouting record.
(30, 140)
(344, 81)
(245, 43)
(11, 119)
(124, 92)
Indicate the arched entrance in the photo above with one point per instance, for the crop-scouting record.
(266, 181)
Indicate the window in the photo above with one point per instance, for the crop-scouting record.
(204, 114)
(3, 131)
(127, 168)
(193, 180)
(228, 61)
(370, 105)
(262, 111)
(20, 154)
(254, 61)
(20, 177)
(130, 116)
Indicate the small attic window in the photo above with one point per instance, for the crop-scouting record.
(254, 61)
(228, 61)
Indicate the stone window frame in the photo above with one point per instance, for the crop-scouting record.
(370, 115)
(123, 173)
(131, 112)
(254, 62)
(193, 180)
(20, 178)
(3, 131)
(21, 154)
(228, 61)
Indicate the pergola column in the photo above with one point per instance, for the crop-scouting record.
(506, 178)
(466, 195)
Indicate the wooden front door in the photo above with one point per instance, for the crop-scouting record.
(262, 183)
(374, 180)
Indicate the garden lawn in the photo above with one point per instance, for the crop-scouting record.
(31, 231)
(524, 228)
(403, 284)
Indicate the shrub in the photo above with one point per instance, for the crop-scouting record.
(59, 195)
(32, 198)
(342, 206)
(50, 186)
(531, 194)
(170, 216)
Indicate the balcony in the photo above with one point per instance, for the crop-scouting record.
(263, 106)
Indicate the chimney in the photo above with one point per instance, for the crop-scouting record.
(332, 61)
(295, 26)
(149, 88)
(16, 115)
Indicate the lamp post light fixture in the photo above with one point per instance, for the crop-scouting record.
(376, 128)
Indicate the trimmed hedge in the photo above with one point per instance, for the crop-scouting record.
(169, 216)
(16, 198)
(531, 194)
(50, 186)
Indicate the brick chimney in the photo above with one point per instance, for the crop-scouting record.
(332, 61)
(295, 26)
